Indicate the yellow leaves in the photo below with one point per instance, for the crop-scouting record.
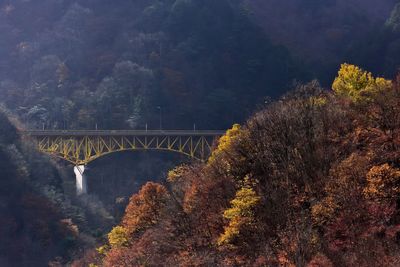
(226, 142)
(118, 237)
(382, 83)
(175, 174)
(240, 215)
(228, 158)
(383, 182)
(103, 249)
(232, 231)
(355, 83)
(318, 101)
(351, 78)
(244, 200)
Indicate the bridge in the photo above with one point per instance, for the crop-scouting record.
(80, 147)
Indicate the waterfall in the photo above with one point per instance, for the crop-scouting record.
(80, 180)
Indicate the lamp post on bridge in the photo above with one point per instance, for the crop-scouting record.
(160, 109)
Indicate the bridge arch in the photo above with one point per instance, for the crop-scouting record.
(82, 147)
(93, 158)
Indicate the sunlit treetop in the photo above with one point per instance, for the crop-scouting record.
(118, 237)
(225, 142)
(357, 84)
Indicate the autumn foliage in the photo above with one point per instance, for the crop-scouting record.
(311, 180)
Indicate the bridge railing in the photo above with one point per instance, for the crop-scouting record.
(124, 132)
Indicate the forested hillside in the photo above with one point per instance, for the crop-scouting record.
(124, 64)
(75, 64)
(34, 223)
(307, 175)
(81, 63)
(311, 180)
(327, 33)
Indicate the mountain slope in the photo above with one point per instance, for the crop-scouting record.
(311, 180)
(33, 229)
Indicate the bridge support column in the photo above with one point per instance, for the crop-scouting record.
(81, 185)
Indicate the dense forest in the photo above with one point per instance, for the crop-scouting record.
(307, 175)
(311, 180)
(114, 63)
(33, 228)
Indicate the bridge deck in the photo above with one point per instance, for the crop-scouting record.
(122, 133)
(83, 146)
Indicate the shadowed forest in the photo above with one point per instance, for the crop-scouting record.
(308, 173)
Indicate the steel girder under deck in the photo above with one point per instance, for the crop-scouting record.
(82, 147)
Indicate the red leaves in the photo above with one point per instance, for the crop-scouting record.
(320, 260)
(326, 176)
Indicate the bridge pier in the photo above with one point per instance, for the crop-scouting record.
(81, 182)
(84, 146)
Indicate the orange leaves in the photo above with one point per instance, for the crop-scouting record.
(343, 189)
(324, 186)
(324, 211)
(121, 257)
(144, 209)
(383, 183)
(320, 260)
